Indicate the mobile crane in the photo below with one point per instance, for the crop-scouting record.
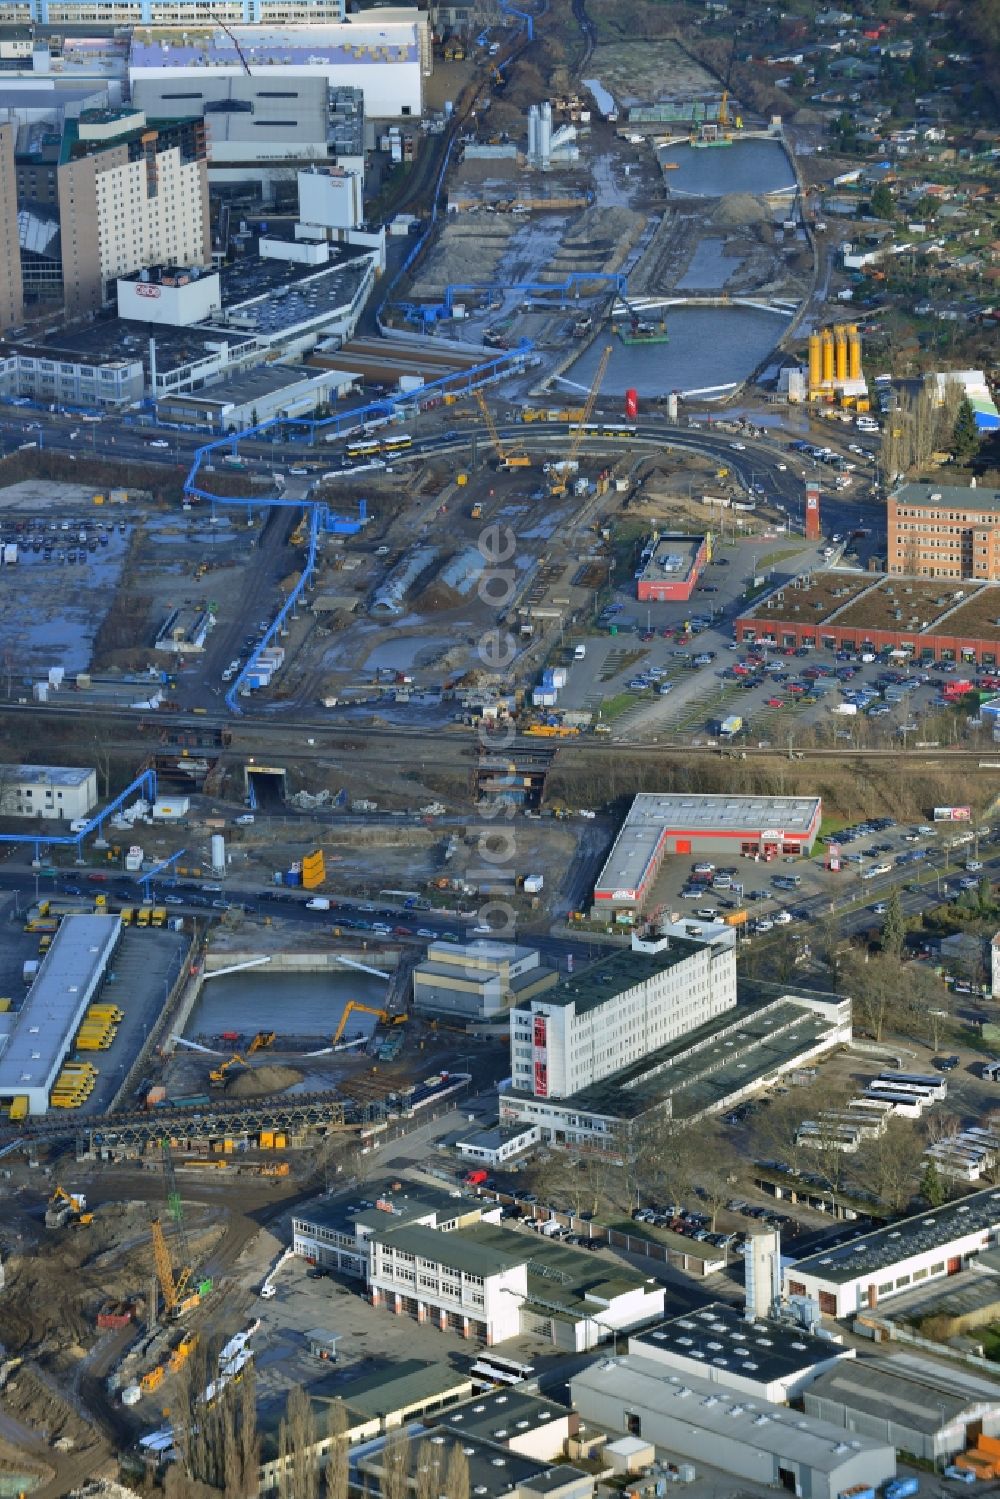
(354, 1006)
(172, 1285)
(557, 484)
(505, 460)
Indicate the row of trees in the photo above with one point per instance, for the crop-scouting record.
(922, 426)
(219, 1447)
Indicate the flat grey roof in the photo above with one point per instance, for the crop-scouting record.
(941, 496)
(414, 1201)
(400, 1384)
(55, 1002)
(672, 559)
(481, 953)
(898, 1241)
(46, 775)
(493, 1470)
(907, 1392)
(462, 1250)
(602, 982)
(500, 1416)
(250, 385)
(720, 1336)
(705, 1407)
(655, 815)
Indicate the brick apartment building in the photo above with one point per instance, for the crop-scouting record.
(944, 531)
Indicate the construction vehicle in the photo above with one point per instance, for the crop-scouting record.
(142, 916)
(126, 915)
(476, 513)
(557, 484)
(173, 1286)
(19, 1108)
(63, 1206)
(218, 1075)
(505, 460)
(260, 1041)
(105, 1012)
(355, 1006)
(158, 917)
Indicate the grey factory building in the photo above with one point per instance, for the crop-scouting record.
(478, 980)
(925, 1408)
(753, 1440)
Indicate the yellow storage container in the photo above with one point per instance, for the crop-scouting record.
(19, 1107)
(267, 1139)
(279, 1142)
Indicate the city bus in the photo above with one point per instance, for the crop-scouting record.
(396, 442)
(494, 1370)
(913, 1082)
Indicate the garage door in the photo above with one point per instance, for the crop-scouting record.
(683, 846)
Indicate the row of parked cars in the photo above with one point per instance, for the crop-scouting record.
(692, 1225)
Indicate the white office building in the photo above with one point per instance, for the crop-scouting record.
(50, 791)
(617, 1011)
(475, 1288)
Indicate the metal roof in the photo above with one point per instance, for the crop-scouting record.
(945, 496)
(654, 815)
(54, 1005)
(924, 1398)
(703, 1406)
(872, 1252)
(458, 1251)
(46, 775)
(720, 1337)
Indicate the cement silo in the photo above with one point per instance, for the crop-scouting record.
(533, 133)
(840, 352)
(854, 353)
(545, 134)
(827, 357)
(815, 362)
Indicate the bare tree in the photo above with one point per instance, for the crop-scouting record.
(888, 1165)
(336, 1462)
(430, 1484)
(396, 1466)
(456, 1479)
(303, 1460)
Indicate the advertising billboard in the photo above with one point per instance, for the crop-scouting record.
(540, 1057)
(952, 814)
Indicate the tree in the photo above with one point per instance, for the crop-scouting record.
(302, 1449)
(931, 1186)
(893, 926)
(429, 1477)
(883, 204)
(456, 1478)
(965, 437)
(336, 1462)
(396, 1466)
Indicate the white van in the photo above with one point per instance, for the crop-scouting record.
(579, 652)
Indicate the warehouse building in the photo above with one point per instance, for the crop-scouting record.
(861, 1273)
(35, 1040)
(766, 1358)
(927, 1409)
(478, 980)
(684, 825)
(49, 791)
(690, 1418)
(494, 1472)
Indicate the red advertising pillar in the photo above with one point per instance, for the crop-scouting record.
(812, 531)
(631, 404)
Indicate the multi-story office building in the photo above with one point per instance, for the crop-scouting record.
(616, 1012)
(109, 194)
(945, 531)
(11, 299)
(51, 791)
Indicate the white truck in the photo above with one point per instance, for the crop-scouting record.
(318, 903)
(847, 710)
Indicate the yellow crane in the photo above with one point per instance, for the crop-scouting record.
(505, 460)
(353, 1006)
(218, 1074)
(557, 485)
(173, 1286)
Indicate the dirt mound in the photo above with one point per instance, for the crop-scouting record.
(436, 597)
(271, 1078)
(740, 208)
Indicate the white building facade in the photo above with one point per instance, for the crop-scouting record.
(49, 791)
(442, 1278)
(617, 1012)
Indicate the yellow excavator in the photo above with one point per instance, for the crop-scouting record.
(557, 482)
(218, 1074)
(354, 1006)
(260, 1041)
(64, 1206)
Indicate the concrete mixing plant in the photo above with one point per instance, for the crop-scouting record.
(835, 373)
